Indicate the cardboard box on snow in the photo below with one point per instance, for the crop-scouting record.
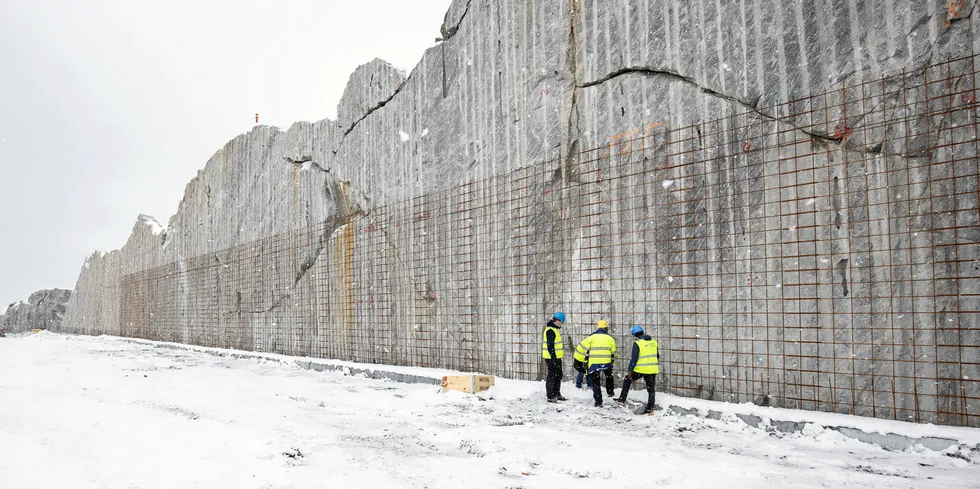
(467, 383)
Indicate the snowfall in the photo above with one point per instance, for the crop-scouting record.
(87, 412)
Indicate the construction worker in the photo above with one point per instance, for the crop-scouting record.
(600, 349)
(580, 363)
(644, 364)
(552, 350)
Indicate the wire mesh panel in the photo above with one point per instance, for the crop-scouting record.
(817, 254)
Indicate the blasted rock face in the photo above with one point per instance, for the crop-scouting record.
(45, 309)
(285, 238)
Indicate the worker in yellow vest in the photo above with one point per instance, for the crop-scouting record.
(552, 350)
(644, 364)
(600, 349)
(580, 363)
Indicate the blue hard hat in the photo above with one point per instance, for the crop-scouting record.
(636, 330)
(560, 316)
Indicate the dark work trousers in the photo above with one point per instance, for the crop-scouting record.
(596, 389)
(552, 385)
(649, 379)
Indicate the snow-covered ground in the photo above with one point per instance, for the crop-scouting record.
(81, 412)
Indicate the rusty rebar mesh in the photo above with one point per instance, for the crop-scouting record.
(817, 254)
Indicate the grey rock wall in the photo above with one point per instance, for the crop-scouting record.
(444, 214)
(370, 87)
(45, 309)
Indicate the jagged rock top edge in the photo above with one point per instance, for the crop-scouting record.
(34, 300)
(451, 21)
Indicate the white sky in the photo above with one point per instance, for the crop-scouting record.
(109, 107)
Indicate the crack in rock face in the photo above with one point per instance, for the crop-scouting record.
(488, 101)
(842, 272)
(370, 88)
(453, 20)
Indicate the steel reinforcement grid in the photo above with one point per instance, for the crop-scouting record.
(817, 254)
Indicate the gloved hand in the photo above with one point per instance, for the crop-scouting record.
(631, 375)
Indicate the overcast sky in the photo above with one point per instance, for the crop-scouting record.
(109, 107)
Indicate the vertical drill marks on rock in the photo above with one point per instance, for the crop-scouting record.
(816, 253)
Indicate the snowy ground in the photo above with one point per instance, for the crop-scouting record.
(80, 412)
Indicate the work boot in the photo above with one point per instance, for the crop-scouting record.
(552, 399)
(561, 398)
(620, 400)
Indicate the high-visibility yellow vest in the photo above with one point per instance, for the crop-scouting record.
(580, 350)
(601, 350)
(559, 347)
(647, 362)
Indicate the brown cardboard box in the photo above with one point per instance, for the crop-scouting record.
(467, 383)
